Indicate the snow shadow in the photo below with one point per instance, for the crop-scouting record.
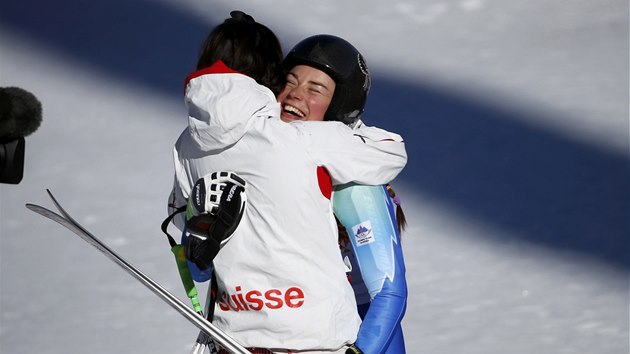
(145, 42)
(488, 164)
(480, 160)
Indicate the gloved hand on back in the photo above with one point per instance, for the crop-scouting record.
(215, 207)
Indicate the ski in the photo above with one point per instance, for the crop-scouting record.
(199, 321)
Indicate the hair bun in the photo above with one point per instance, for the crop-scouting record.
(240, 16)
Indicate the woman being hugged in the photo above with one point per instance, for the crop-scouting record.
(330, 67)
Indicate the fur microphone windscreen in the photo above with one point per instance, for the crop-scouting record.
(20, 113)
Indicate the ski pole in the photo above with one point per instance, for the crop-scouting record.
(203, 339)
(184, 274)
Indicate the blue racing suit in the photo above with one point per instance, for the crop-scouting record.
(367, 214)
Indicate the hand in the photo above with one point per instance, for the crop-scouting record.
(353, 349)
(214, 210)
(206, 193)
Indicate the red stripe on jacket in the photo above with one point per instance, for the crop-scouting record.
(218, 67)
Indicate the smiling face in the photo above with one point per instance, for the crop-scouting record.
(307, 94)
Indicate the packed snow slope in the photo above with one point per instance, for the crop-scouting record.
(515, 116)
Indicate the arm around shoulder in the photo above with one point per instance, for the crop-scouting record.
(366, 155)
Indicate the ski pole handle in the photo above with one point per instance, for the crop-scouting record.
(184, 274)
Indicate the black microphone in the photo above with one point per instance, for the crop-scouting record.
(20, 116)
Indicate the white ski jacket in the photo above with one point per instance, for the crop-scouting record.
(281, 280)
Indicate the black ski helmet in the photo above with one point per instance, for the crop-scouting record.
(344, 64)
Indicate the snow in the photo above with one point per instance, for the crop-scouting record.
(516, 191)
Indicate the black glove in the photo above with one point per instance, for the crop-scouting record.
(353, 349)
(211, 222)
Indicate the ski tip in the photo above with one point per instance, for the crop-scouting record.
(34, 207)
(54, 200)
(38, 209)
(31, 206)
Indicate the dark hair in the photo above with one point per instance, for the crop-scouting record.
(401, 220)
(248, 47)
